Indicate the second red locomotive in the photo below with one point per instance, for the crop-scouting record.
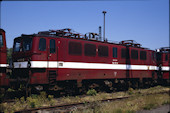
(4, 81)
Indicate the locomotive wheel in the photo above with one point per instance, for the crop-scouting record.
(135, 84)
(2, 90)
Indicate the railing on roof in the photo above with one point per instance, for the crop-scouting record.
(69, 33)
(62, 33)
(130, 43)
(165, 49)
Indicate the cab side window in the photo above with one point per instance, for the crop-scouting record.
(42, 44)
(166, 57)
(114, 52)
(1, 41)
(52, 46)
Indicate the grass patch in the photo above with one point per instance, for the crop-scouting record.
(32, 101)
(149, 106)
(130, 105)
(166, 102)
(135, 103)
(91, 92)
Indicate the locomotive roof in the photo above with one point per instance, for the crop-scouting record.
(2, 30)
(69, 33)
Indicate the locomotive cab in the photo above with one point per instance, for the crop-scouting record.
(3, 59)
(163, 60)
(32, 59)
(22, 52)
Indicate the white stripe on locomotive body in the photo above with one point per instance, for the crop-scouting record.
(4, 65)
(165, 68)
(82, 65)
(77, 65)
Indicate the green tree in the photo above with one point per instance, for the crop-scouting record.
(9, 54)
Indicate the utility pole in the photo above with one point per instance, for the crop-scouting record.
(0, 13)
(100, 34)
(104, 12)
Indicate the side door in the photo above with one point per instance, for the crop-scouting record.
(52, 58)
(52, 53)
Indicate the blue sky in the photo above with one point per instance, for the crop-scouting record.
(145, 21)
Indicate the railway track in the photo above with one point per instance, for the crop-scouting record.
(65, 108)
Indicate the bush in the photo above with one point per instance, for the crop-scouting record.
(43, 94)
(32, 101)
(50, 97)
(130, 91)
(32, 104)
(1, 97)
(166, 102)
(34, 96)
(91, 92)
(10, 90)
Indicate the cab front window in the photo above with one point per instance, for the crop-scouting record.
(17, 45)
(22, 44)
(27, 44)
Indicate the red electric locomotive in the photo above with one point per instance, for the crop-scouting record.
(3, 59)
(64, 59)
(163, 62)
